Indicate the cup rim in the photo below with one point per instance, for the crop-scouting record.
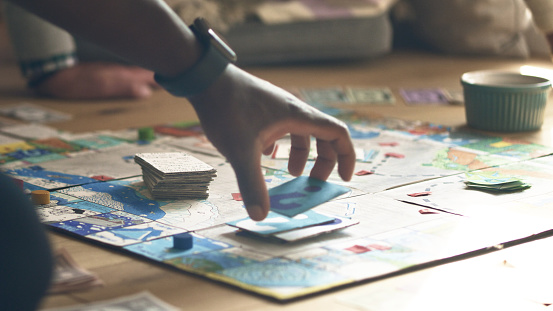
(504, 80)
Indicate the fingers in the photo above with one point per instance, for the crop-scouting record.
(346, 158)
(269, 150)
(298, 154)
(326, 160)
(334, 145)
(252, 185)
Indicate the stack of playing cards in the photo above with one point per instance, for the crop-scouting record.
(494, 181)
(175, 175)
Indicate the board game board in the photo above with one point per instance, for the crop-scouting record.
(97, 194)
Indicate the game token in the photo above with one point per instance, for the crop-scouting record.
(146, 134)
(183, 241)
(363, 173)
(419, 194)
(395, 155)
(40, 197)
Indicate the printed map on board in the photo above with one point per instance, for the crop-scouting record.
(97, 194)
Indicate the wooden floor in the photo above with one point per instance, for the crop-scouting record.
(126, 275)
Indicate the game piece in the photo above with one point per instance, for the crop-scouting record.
(363, 173)
(175, 175)
(146, 134)
(301, 194)
(183, 241)
(395, 155)
(420, 194)
(426, 211)
(40, 197)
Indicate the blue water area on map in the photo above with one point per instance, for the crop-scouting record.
(132, 201)
(22, 154)
(214, 261)
(98, 223)
(282, 273)
(162, 249)
(38, 172)
(89, 206)
(64, 199)
(136, 234)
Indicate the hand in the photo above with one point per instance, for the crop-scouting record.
(99, 81)
(243, 116)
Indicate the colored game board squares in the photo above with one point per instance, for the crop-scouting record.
(36, 151)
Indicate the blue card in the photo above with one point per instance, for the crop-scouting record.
(301, 194)
(275, 223)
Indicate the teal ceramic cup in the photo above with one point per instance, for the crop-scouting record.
(504, 101)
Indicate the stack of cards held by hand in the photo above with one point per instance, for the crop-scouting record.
(175, 175)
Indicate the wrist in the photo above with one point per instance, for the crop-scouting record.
(217, 55)
(37, 71)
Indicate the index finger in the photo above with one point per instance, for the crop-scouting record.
(251, 183)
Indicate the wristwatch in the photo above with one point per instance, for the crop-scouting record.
(217, 55)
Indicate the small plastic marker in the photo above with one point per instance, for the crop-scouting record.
(40, 197)
(146, 134)
(183, 241)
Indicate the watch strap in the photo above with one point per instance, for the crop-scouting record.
(200, 76)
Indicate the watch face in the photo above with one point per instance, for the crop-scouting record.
(215, 39)
(220, 44)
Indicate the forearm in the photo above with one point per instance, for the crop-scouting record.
(146, 32)
(40, 47)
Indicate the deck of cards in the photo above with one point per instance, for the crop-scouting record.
(175, 175)
(494, 181)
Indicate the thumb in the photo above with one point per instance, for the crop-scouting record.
(252, 186)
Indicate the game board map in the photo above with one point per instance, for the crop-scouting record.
(97, 193)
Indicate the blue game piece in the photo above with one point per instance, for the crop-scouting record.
(183, 241)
